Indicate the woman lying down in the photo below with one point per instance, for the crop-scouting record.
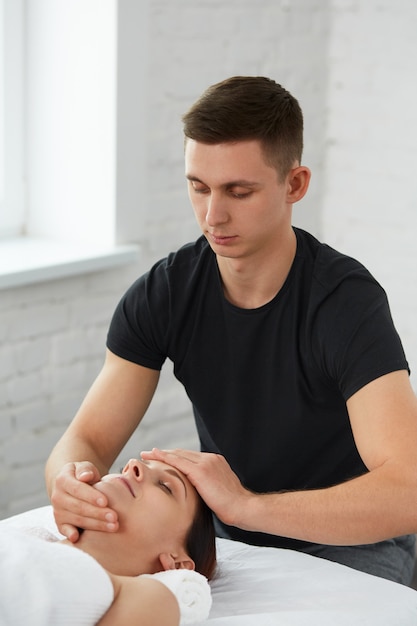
(104, 578)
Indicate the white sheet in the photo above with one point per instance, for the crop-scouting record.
(271, 587)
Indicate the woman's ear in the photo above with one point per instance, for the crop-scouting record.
(173, 561)
(298, 182)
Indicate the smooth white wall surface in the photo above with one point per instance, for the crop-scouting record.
(369, 208)
(52, 335)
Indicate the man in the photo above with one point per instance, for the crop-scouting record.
(285, 347)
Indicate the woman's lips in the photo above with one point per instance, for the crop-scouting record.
(126, 482)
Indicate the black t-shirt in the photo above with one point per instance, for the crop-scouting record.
(268, 385)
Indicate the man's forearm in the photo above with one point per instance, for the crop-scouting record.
(367, 509)
(376, 506)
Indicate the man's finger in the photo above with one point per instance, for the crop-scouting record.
(86, 472)
(164, 455)
(70, 532)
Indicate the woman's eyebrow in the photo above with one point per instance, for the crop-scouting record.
(172, 472)
(175, 474)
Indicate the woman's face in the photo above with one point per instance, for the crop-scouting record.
(156, 505)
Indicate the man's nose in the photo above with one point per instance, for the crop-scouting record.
(216, 210)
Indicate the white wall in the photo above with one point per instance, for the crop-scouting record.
(52, 335)
(369, 208)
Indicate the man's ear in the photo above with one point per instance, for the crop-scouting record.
(176, 561)
(298, 182)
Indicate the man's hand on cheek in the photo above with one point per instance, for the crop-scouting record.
(78, 505)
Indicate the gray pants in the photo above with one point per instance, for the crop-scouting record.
(392, 559)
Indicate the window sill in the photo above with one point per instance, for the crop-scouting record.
(24, 261)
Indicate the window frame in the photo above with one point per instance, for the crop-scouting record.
(13, 198)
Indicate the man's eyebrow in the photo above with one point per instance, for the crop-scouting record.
(172, 472)
(193, 178)
(233, 183)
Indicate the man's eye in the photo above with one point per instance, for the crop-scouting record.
(166, 487)
(199, 189)
(240, 196)
(240, 192)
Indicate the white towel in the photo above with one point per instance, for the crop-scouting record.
(191, 590)
(48, 584)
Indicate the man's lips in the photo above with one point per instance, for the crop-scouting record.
(221, 239)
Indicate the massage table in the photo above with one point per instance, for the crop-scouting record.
(257, 586)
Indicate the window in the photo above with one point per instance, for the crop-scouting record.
(73, 125)
(72, 84)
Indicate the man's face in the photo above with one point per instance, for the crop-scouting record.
(240, 205)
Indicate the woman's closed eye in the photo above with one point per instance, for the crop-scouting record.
(165, 486)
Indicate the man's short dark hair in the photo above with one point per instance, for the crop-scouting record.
(244, 108)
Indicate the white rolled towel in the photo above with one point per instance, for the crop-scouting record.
(192, 591)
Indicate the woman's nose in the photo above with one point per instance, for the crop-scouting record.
(135, 468)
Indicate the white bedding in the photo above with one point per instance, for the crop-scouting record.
(271, 587)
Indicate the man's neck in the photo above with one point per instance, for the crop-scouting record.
(253, 282)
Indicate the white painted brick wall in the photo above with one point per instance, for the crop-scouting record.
(51, 348)
(52, 335)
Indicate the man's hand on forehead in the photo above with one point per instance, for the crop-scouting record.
(211, 475)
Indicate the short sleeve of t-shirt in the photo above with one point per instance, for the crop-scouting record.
(139, 327)
(355, 340)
